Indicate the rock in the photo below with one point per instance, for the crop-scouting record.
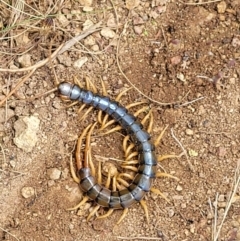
(26, 132)
(4, 116)
(189, 132)
(107, 33)
(87, 9)
(27, 192)
(25, 60)
(138, 29)
(176, 60)
(90, 40)
(179, 188)
(181, 77)
(221, 7)
(65, 60)
(130, 4)
(80, 62)
(235, 42)
(221, 198)
(54, 173)
(63, 20)
(87, 24)
(86, 3)
(95, 48)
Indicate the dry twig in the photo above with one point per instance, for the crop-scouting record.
(200, 3)
(235, 185)
(4, 230)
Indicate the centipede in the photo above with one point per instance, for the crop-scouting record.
(147, 159)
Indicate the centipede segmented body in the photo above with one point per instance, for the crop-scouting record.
(147, 159)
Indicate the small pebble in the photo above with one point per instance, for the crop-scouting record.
(107, 33)
(80, 62)
(189, 132)
(27, 192)
(12, 163)
(170, 213)
(95, 48)
(221, 7)
(54, 173)
(26, 132)
(179, 188)
(86, 3)
(176, 60)
(222, 204)
(87, 9)
(25, 60)
(51, 183)
(221, 198)
(138, 29)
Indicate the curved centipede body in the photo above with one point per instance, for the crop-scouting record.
(147, 163)
(146, 172)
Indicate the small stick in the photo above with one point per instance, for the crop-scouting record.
(213, 1)
(192, 101)
(79, 37)
(37, 65)
(4, 230)
(4, 156)
(17, 86)
(138, 238)
(183, 149)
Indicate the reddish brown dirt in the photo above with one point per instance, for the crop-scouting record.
(186, 52)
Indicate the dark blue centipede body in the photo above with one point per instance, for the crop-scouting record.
(147, 159)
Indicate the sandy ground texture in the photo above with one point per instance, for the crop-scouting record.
(181, 57)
